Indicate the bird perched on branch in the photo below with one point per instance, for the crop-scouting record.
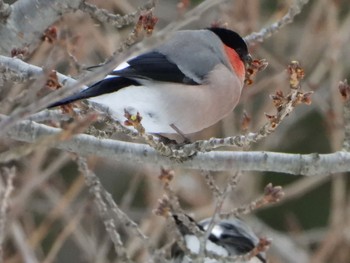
(186, 84)
(227, 238)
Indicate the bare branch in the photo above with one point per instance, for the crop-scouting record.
(272, 194)
(111, 213)
(191, 16)
(63, 236)
(20, 240)
(115, 20)
(28, 19)
(169, 207)
(8, 174)
(220, 197)
(96, 189)
(14, 69)
(267, 32)
(15, 153)
(344, 89)
(297, 164)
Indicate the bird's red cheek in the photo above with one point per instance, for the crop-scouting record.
(236, 62)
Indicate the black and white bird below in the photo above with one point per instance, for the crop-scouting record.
(187, 83)
(227, 238)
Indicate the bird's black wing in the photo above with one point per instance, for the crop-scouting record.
(154, 66)
(104, 86)
(241, 244)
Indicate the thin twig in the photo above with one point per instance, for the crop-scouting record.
(107, 209)
(8, 175)
(63, 236)
(344, 89)
(115, 20)
(267, 32)
(272, 194)
(23, 247)
(220, 198)
(169, 207)
(191, 16)
(95, 188)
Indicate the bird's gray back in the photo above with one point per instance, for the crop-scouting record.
(195, 52)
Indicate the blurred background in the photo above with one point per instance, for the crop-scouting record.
(52, 208)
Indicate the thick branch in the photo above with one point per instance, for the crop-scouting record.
(16, 70)
(296, 164)
(28, 19)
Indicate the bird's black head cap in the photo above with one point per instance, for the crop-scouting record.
(232, 40)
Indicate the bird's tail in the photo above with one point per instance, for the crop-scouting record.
(104, 86)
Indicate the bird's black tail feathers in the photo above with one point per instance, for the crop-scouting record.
(104, 86)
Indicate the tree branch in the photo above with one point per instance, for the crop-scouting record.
(344, 89)
(115, 20)
(14, 69)
(267, 32)
(105, 208)
(28, 19)
(296, 164)
(190, 16)
(5, 192)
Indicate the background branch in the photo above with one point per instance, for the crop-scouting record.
(267, 32)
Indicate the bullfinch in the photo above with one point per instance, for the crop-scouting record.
(187, 83)
(227, 238)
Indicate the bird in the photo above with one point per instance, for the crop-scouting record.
(231, 237)
(185, 84)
